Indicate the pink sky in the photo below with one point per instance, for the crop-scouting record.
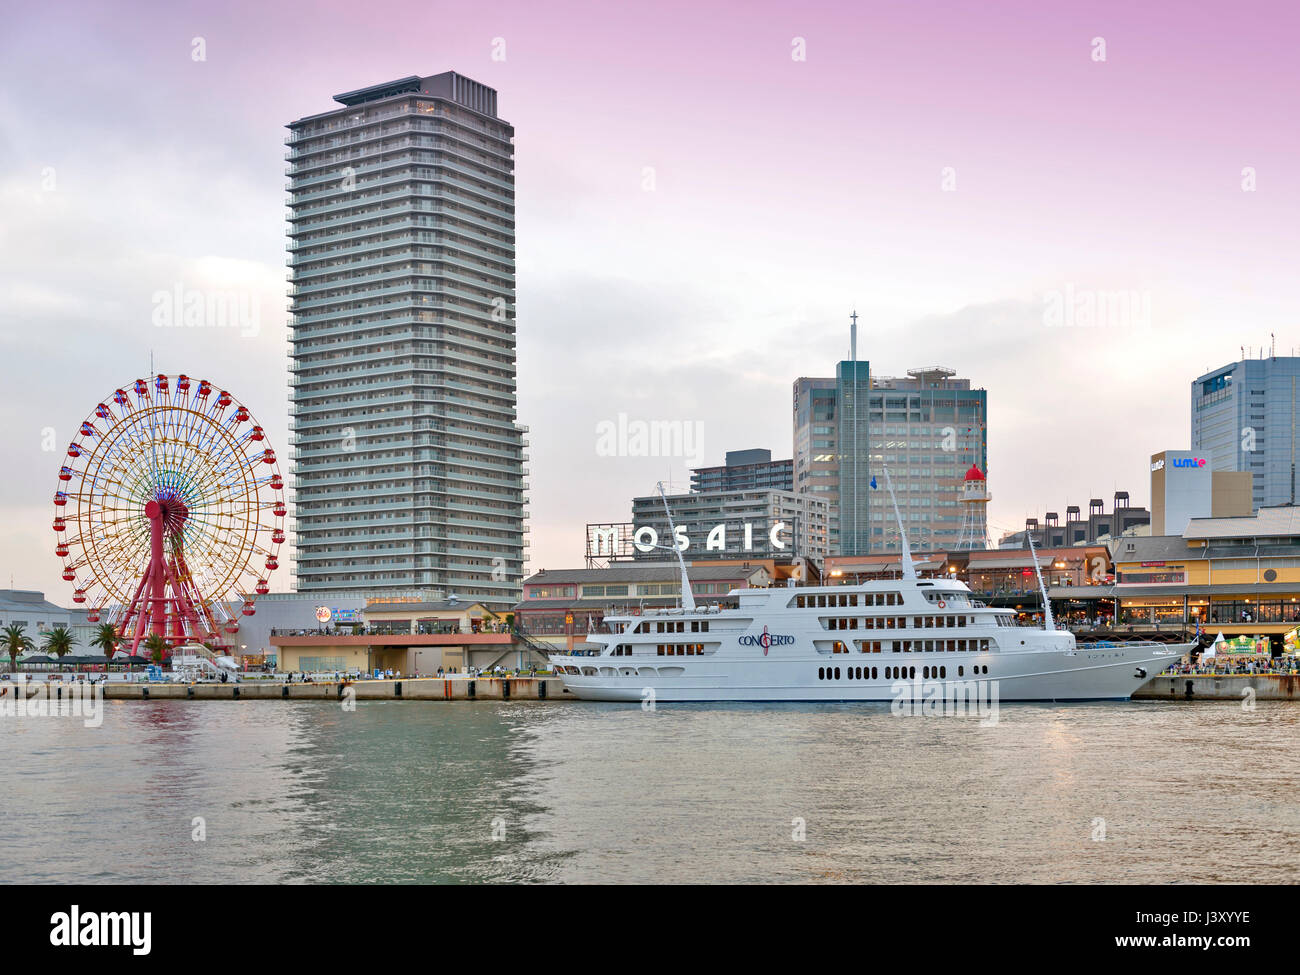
(786, 193)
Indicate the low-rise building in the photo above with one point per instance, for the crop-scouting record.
(281, 611)
(407, 636)
(1078, 578)
(1079, 529)
(562, 606)
(1238, 575)
(39, 616)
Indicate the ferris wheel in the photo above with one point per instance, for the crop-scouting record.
(169, 514)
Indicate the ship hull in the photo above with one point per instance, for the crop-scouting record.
(1109, 673)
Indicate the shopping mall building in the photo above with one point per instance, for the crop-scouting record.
(1237, 575)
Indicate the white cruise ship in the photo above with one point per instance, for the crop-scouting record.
(849, 643)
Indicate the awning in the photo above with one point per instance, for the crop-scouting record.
(1015, 563)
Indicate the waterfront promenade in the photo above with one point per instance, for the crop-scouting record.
(1172, 686)
(406, 689)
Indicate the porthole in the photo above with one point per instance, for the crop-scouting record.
(821, 673)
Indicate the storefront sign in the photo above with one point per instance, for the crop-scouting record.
(620, 541)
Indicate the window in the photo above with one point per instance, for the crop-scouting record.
(316, 665)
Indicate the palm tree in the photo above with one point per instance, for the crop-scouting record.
(14, 643)
(156, 646)
(59, 641)
(106, 639)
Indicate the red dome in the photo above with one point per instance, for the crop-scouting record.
(974, 474)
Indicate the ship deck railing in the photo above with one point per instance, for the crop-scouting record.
(1126, 644)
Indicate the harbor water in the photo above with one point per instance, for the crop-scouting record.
(394, 792)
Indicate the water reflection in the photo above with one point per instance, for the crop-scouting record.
(401, 792)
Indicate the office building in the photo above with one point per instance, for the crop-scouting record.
(1244, 419)
(408, 463)
(816, 454)
(927, 428)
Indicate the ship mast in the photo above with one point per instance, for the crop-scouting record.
(688, 598)
(909, 569)
(1048, 624)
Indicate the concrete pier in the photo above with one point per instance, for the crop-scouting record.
(1182, 687)
(407, 689)
(1221, 687)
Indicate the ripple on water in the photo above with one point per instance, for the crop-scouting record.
(301, 792)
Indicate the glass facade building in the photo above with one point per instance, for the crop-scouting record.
(816, 464)
(1244, 419)
(927, 427)
(408, 462)
(853, 432)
